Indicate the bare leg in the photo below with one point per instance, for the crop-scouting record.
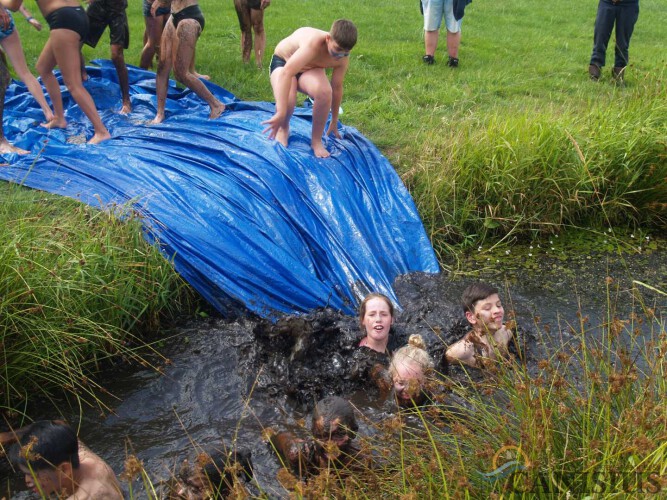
(431, 41)
(257, 18)
(152, 36)
(12, 46)
(5, 146)
(314, 82)
(163, 70)
(183, 53)
(192, 68)
(453, 42)
(243, 13)
(65, 47)
(45, 64)
(282, 136)
(119, 62)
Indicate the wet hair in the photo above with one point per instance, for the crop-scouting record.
(412, 354)
(344, 33)
(474, 293)
(367, 299)
(46, 444)
(337, 411)
(216, 467)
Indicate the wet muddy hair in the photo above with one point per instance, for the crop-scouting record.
(344, 33)
(367, 299)
(333, 410)
(474, 293)
(45, 445)
(413, 353)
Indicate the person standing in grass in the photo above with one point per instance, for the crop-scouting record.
(55, 462)
(489, 338)
(299, 64)
(69, 26)
(434, 11)
(623, 14)
(111, 13)
(177, 50)
(251, 17)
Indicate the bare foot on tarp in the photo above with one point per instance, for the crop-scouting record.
(126, 109)
(55, 123)
(320, 151)
(99, 137)
(6, 147)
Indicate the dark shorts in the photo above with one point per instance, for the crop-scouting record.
(192, 12)
(111, 13)
(254, 4)
(69, 18)
(279, 62)
(161, 11)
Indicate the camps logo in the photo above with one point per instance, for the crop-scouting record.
(507, 460)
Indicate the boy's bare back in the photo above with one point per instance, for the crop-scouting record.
(311, 44)
(97, 481)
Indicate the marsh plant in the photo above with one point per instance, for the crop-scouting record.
(76, 285)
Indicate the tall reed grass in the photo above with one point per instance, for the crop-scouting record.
(76, 285)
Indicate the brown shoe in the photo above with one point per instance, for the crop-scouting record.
(594, 72)
(618, 74)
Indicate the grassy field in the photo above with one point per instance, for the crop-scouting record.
(516, 140)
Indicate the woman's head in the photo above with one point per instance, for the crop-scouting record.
(409, 368)
(376, 315)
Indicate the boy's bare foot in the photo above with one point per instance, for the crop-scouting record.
(126, 109)
(159, 118)
(282, 136)
(216, 111)
(48, 116)
(320, 150)
(6, 147)
(100, 137)
(55, 123)
(203, 77)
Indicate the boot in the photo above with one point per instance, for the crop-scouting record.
(594, 72)
(618, 74)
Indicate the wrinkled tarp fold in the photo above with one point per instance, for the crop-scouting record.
(248, 223)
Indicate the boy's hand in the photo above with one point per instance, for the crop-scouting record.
(273, 125)
(4, 19)
(264, 4)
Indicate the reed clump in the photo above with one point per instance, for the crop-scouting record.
(76, 287)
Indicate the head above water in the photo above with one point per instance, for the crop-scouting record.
(474, 293)
(376, 316)
(344, 33)
(212, 475)
(409, 368)
(334, 420)
(483, 308)
(46, 444)
(363, 307)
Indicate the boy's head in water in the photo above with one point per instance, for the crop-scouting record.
(334, 421)
(483, 308)
(48, 455)
(376, 316)
(212, 476)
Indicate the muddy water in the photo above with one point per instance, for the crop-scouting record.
(229, 381)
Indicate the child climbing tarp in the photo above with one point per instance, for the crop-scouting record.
(248, 223)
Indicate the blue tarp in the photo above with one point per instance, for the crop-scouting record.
(248, 223)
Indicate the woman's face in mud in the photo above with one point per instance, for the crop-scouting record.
(489, 314)
(408, 381)
(377, 321)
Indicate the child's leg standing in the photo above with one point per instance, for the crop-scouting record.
(314, 82)
(282, 136)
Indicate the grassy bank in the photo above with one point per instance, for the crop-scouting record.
(76, 286)
(517, 140)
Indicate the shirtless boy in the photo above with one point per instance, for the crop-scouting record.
(299, 63)
(489, 337)
(177, 50)
(55, 462)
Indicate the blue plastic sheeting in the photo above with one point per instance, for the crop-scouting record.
(249, 223)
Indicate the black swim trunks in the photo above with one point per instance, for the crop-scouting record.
(69, 18)
(279, 62)
(161, 11)
(192, 12)
(111, 13)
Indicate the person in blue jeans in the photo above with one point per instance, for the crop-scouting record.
(623, 14)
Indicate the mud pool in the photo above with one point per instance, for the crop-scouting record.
(231, 380)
